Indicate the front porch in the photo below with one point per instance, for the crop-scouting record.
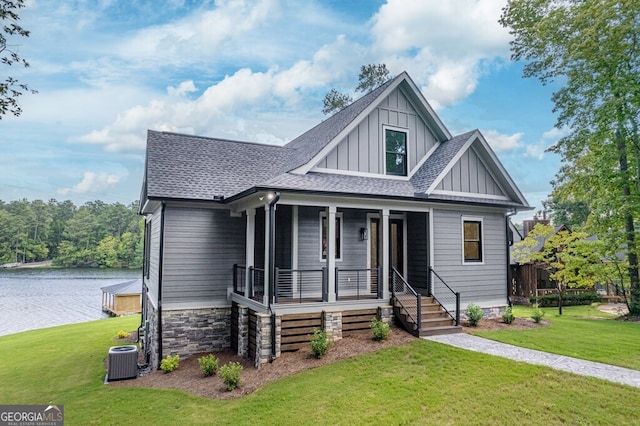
(314, 266)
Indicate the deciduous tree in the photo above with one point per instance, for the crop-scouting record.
(591, 50)
(371, 76)
(11, 89)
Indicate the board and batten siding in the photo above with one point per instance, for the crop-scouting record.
(354, 251)
(469, 174)
(483, 284)
(154, 257)
(200, 248)
(363, 150)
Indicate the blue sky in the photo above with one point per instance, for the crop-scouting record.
(106, 71)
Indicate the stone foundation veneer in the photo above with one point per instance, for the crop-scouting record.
(489, 313)
(150, 339)
(189, 331)
(263, 338)
(332, 325)
(385, 313)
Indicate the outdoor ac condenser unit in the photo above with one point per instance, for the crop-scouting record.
(123, 362)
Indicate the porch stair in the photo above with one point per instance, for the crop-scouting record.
(434, 320)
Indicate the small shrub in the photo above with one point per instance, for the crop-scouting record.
(537, 315)
(380, 329)
(122, 334)
(474, 314)
(319, 343)
(507, 316)
(230, 373)
(208, 365)
(170, 363)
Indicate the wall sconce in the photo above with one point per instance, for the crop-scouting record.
(364, 234)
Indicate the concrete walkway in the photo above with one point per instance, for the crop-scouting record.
(560, 362)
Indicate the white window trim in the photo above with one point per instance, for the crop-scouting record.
(323, 214)
(473, 219)
(404, 130)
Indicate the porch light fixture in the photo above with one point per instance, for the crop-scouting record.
(364, 234)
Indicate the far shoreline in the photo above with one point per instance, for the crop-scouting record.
(18, 265)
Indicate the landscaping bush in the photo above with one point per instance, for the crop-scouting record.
(230, 373)
(474, 314)
(507, 316)
(537, 315)
(121, 334)
(208, 365)
(380, 329)
(170, 363)
(569, 299)
(319, 343)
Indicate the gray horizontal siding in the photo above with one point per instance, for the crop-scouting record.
(201, 247)
(477, 283)
(363, 149)
(354, 251)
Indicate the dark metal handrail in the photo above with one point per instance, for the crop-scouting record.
(400, 286)
(456, 316)
(361, 277)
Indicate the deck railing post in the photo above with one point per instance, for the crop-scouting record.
(235, 279)
(337, 275)
(419, 310)
(249, 293)
(276, 280)
(380, 284)
(429, 281)
(325, 284)
(458, 308)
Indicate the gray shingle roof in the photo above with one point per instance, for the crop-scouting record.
(200, 168)
(127, 287)
(193, 167)
(308, 144)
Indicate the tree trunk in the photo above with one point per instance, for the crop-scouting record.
(632, 252)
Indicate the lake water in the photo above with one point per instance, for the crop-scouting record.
(38, 298)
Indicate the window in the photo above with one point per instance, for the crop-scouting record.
(324, 231)
(472, 240)
(396, 152)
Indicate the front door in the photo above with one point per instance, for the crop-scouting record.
(396, 243)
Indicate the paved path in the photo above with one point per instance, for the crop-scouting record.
(560, 362)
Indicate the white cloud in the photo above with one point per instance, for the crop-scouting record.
(182, 89)
(91, 183)
(443, 48)
(550, 137)
(502, 142)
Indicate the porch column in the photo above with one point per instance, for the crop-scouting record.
(331, 252)
(250, 248)
(267, 255)
(384, 214)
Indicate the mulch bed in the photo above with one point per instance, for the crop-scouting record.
(189, 378)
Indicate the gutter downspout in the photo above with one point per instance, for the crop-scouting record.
(160, 267)
(508, 245)
(272, 268)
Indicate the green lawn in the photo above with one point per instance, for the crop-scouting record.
(421, 383)
(581, 332)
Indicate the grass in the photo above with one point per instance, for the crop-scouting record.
(581, 332)
(421, 383)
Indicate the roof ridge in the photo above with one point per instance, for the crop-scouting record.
(162, 132)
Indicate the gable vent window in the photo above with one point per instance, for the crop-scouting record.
(396, 152)
(472, 234)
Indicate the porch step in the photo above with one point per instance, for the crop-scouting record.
(436, 331)
(433, 320)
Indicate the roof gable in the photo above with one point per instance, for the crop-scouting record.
(314, 146)
(448, 172)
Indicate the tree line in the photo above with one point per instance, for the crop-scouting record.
(95, 234)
